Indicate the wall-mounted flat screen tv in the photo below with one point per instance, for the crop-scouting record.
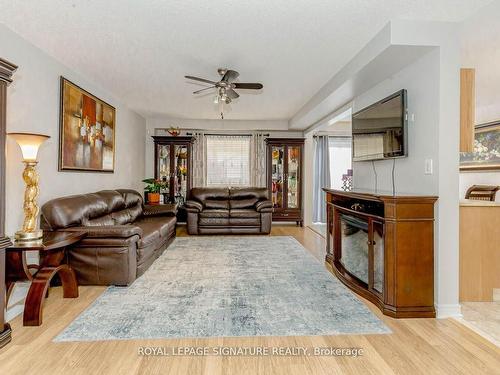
(380, 131)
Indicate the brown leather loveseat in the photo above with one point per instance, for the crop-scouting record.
(224, 210)
(124, 236)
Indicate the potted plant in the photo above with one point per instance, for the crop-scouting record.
(153, 187)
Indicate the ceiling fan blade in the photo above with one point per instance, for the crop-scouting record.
(232, 94)
(206, 88)
(248, 86)
(230, 76)
(200, 79)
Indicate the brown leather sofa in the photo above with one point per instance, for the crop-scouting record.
(124, 236)
(229, 211)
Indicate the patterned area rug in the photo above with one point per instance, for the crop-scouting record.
(222, 286)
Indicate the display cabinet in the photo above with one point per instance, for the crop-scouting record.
(284, 168)
(173, 165)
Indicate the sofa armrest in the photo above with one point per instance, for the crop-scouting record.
(108, 231)
(265, 204)
(160, 210)
(190, 204)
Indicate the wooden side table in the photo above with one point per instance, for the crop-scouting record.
(52, 249)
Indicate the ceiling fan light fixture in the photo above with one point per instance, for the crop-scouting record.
(225, 92)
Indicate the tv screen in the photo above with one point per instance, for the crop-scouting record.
(380, 130)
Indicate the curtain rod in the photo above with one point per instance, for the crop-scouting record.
(229, 135)
(333, 136)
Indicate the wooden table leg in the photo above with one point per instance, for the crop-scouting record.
(16, 270)
(50, 266)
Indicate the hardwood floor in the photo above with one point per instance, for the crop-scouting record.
(416, 346)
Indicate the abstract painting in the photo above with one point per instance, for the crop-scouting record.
(486, 155)
(87, 131)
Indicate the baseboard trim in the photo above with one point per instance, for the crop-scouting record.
(448, 311)
(496, 295)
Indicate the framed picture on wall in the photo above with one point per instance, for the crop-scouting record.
(86, 131)
(486, 155)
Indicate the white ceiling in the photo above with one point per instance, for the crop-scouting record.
(140, 50)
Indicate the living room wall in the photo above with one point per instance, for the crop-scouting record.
(33, 106)
(421, 80)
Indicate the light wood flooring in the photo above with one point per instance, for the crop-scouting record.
(416, 346)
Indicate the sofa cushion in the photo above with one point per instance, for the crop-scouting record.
(245, 221)
(245, 193)
(99, 222)
(113, 199)
(162, 225)
(243, 203)
(244, 213)
(216, 203)
(92, 209)
(202, 194)
(151, 231)
(72, 210)
(214, 221)
(131, 197)
(214, 213)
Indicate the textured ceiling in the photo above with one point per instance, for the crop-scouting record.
(140, 50)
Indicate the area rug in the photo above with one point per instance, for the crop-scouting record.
(223, 286)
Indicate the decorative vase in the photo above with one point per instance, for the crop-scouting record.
(154, 197)
(173, 131)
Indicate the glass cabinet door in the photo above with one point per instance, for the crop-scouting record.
(293, 159)
(163, 162)
(180, 187)
(378, 256)
(354, 246)
(277, 175)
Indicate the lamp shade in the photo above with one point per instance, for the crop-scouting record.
(29, 144)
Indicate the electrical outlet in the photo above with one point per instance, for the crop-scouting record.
(428, 166)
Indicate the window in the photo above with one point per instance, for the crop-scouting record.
(228, 160)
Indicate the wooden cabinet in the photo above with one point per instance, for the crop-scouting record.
(6, 71)
(284, 169)
(382, 247)
(479, 250)
(173, 164)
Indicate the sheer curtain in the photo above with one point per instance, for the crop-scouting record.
(258, 160)
(321, 177)
(199, 159)
(228, 160)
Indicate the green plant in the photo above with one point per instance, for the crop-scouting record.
(154, 185)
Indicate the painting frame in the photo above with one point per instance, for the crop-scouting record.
(64, 107)
(468, 166)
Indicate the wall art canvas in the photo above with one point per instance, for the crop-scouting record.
(486, 155)
(87, 131)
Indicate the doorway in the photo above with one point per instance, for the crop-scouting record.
(332, 164)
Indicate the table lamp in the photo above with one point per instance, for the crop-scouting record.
(29, 144)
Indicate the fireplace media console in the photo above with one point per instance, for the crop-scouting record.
(382, 247)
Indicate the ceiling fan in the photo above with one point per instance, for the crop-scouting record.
(225, 87)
